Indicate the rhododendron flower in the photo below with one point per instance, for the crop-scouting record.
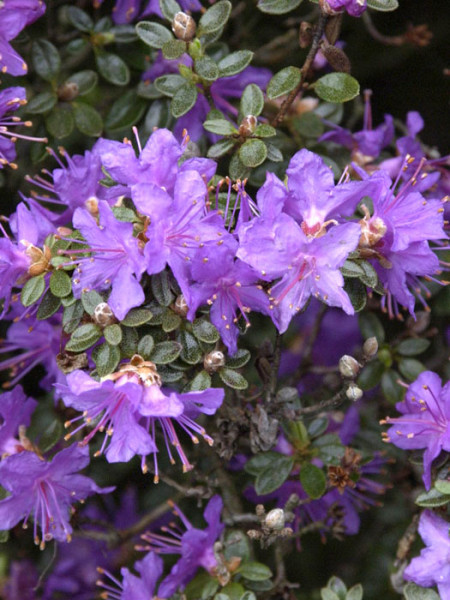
(15, 412)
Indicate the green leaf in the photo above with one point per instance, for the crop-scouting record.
(41, 103)
(239, 359)
(113, 334)
(90, 301)
(383, 5)
(273, 476)
(72, 316)
(313, 480)
(233, 379)
(169, 84)
(411, 368)
(160, 285)
(392, 391)
(274, 153)
(232, 591)
(248, 596)
(145, 346)
(202, 381)
(106, 358)
(85, 81)
(87, 119)
(205, 331)
(237, 168)
(32, 290)
(412, 591)
(442, 486)
(369, 276)
(355, 592)
(170, 321)
(236, 544)
(148, 90)
(371, 375)
(220, 148)
(253, 153)
(165, 352)
(112, 68)
(137, 316)
(206, 68)
(264, 130)
(60, 284)
(330, 448)
(60, 121)
(4, 536)
(432, 499)
(277, 7)
(79, 19)
(337, 87)
(317, 427)
(337, 586)
(214, 18)
(327, 594)
(49, 306)
(125, 112)
(183, 100)
(191, 352)
(254, 571)
(252, 101)
(309, 125)
(129, 345)
(371, 326)
(51, 436)
(173, 49)
(261, 462)
(352, 268)
(169, 8)
(283, 82)
(235, 63)
(124, 33)
(220, 126)
(46, 60)
(201, 587)
(357, 293)
(83, 337)
(412, 346)
(153, 34)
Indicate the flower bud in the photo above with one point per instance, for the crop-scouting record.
(275, 519)
(103, 315)
(184, 27)
(348, 366)
(353, 392)
(248, 125)
(213, 361)
(68, 91)
(370, 347)
(180, 306)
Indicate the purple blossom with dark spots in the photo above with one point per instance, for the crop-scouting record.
(14, 16)
(432, 567)
(15, 412)
(196, 547)
(424, 421)
(45, 490)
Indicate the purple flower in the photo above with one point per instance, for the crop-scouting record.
(355, 8)
(432, 566)
(425, 420)
(15, 412)
(14, 16)
(196, 547)
(45, 490)
(133, 587)
(22, 581)
(11, 100)
(126, 11)
(115, 259)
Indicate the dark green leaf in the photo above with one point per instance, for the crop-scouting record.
(252, 101)
(32, 290)
(112, 68)
(72, 316)
(274, 153)
(160, 285)
(202, 381)
(41, 103)
(371, 375)
(169, 84)
(145, 346)
(4, 536)
(214, 18)
(330, 448)
(113, 334)
(253, 152)
(148, 90)
(206, 68)
(79, 19)
(277, 7)
(412, 346)
(313, 480)
(236, 544)
(220, 148)
(49, 306)
(153, 34)
(124, 34)
(233, 379)
(254, 571)
(191, 352)
(369, 276)
(220, 126)
(51, 436)
(60, 121)
(169, 8)
(283, 82)
(85, 81)
(432, 499)
(352, 268)
(235, 63)
(87, 119)
(158, 115)
(392, 391)
(170, 321)
(125, 112)
(383, 5)
(183, 100)
(83, 337)
(237, 168)
(371, 326)
(357, 293)
(173, 49)
(137, 316)
(46, 60)
(205, 331)
(130, 339)
(273, 476)
(165, 352)
(337, 87)
(265, 130)
(201, 587)
(60, 284)
(239, 359)
(309, 125)
(77, 46)
(411, 368)
(106, 358)
(90, 301)
(261, 462)
(317, 427)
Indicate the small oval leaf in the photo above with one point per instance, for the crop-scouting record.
(337, 87)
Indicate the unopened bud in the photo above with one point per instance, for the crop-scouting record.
(370, 347)
(213, 361)
(348, 366)
(353, 392)
(180, 306)
(248, 125)
(68, 91)
(275, 519)
(103, 315)
(184, 27)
